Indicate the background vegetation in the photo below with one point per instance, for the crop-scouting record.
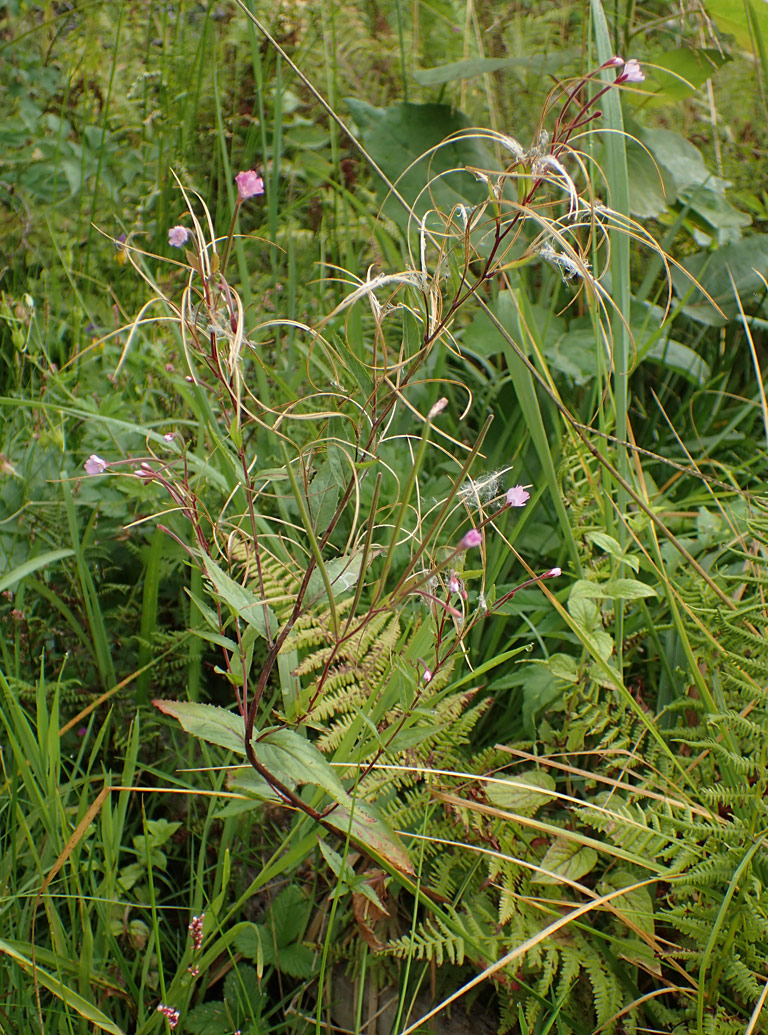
(388, 772)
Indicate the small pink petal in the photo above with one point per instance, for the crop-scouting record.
(471, 538)
(632, 73)
(517, 496)
(95, 465)
(178, 236)
(249, 185)
(438, 407)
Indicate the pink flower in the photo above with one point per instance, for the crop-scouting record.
(95, 465)
(552, 573)
(471, 538)
(613, 62)
(249, 185)
(427, 675)
(454, 586)
(168, 436)
(438, 407)
(178, 236)
(632, 73)
(517, 496)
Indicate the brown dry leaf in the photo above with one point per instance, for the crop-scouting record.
(367, 913)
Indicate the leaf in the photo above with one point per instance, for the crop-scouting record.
(741, 260)
(613, 589)
(285, 752)
(206, 1019)
(208, 722)
(371, 832)
(399, 136)
(34, 564)
(455, 70)
(730, 16)
(241, 601)
(566, 859)
(56, 987)
(680, 358)
(523, 793)
(343, 573)
(679, 72)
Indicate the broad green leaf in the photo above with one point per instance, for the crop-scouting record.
(208, 722)
(713, 270)
(563, 666)
(524, 793)
(680, 358)
(651, 187)
(566, 859)
(730, 16)
(613, 589)
(399, 136)
(296, 760)
(206, 1019)
(285, 753)
(678, 72)
(241, 601)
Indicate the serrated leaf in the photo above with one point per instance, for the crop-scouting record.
(563, 666)
(206, 1019)
(240, 600)
(524, 793)
(566, 859)
(208, 722)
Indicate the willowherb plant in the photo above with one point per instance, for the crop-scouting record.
(322, 508)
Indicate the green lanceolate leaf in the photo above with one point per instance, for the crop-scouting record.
(210, 723)
(240, 600)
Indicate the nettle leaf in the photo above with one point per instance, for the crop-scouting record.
(240, 600)
(524, 793)
(567, 859)
(208, 722)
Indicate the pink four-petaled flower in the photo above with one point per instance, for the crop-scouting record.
(471, 538)
(631, 73)
(517, 496)
(95, 465)
(249, 185)
(178, 236)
